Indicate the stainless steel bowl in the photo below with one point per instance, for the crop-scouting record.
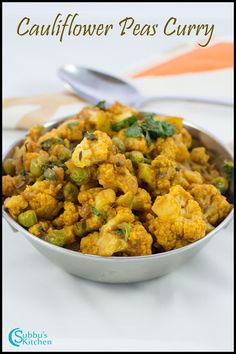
(128, 269)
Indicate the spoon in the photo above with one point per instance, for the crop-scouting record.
(94, 86)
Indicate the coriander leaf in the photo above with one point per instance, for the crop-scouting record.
(147, 137)
(101, 105)
(120, 232)
(23, 173)
(127, 231)
(155, 128)
(134, 131)
(123, 230)
(127, 122)
(97, 212)
(90, 136)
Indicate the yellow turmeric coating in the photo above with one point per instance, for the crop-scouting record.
(112, 181)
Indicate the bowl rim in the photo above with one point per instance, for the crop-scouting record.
(17, 227)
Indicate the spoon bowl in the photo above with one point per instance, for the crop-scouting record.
(94, 86)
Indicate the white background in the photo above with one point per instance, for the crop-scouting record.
(189, 309)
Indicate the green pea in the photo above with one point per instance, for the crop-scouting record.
(57, 237)
(9, 167)
(79, 229)
(46, 144)
(36, 167)
(80, 176)
(70, 192)
(28, 218)
(119, 144)
(221, 184)
(65, 154)
(137, 157)
(50, 174)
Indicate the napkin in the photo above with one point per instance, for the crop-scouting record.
(192, 71)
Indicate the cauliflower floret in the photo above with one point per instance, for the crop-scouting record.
(186, 137)
(123, 215)
(92, 150)
(109, 243)
(129, 239)
(182, 153)
(133, 144)
(167, 147)
(88, 244)
(186, 178)
(117, 178)
(140, 201)
(40, 229)
(71, 129)
(139, 242)
(48, 135)
(110, 240)
(165, 173)
(199, 155)
(69, 216)
(99, 119)
(215, 206)
(120, 111)
(41, 198)
(99, 198)
(15, 205)
(147, 175)
(95, 118)
(96, 202)
(179, 217)
(104, 199)
(46, 186)
(8, 185)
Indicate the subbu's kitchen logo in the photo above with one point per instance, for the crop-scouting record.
(18, 337)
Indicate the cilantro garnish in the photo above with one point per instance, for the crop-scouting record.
(127, 122)
(134, 131)
(123, 230)
(90, 136)
(97, 212)
(155, 128)
(101, 105)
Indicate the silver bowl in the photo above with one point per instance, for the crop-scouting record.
(128, 269)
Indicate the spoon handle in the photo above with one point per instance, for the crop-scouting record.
(223, 101)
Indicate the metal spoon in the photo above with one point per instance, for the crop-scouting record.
(94, 86)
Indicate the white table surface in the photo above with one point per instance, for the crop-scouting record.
(189, 309)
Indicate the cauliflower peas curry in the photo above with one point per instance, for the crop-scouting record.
(112, 181)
